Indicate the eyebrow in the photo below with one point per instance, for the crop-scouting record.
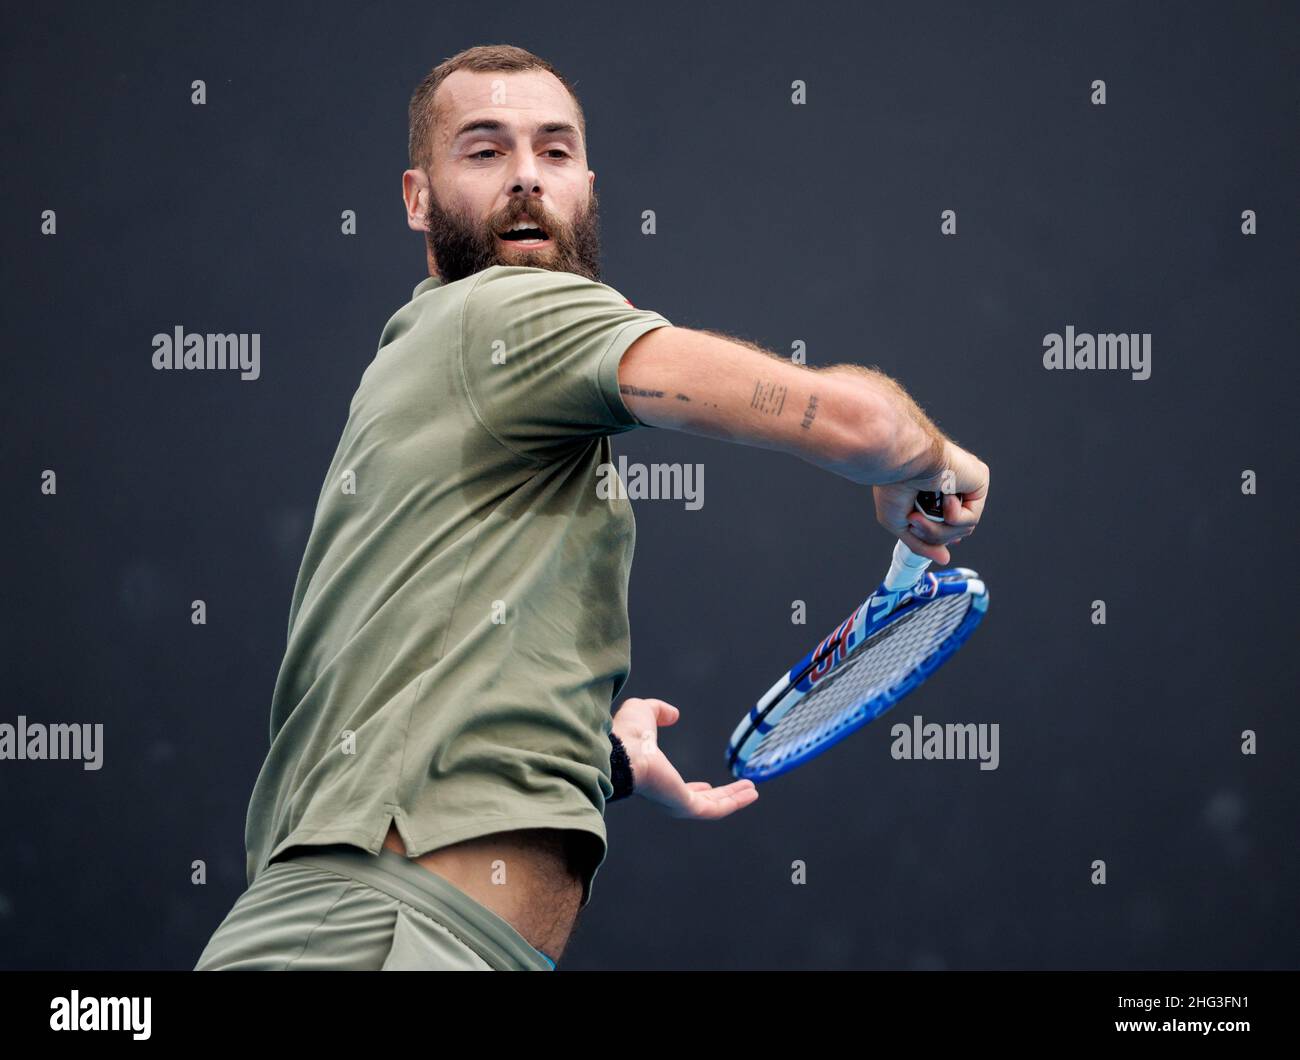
(491, 125)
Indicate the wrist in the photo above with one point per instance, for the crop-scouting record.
(922, 450)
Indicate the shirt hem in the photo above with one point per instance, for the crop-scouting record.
(365, 838)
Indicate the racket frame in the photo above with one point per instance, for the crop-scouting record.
(881, 609)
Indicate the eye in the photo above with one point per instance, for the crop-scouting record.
(558, 151)
(486, 150)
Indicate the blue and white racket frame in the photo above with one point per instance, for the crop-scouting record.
(908, 585)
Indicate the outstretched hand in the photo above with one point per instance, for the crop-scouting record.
(637, 724)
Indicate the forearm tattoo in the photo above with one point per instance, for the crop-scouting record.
(810, 412)
(769, 398)
(636, 391)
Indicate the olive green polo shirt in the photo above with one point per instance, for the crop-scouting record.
(459, 629)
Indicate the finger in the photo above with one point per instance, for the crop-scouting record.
(661, 711)
(937, 533)
(933, 533)
(955, 535)
(707, 791)
(719, 802)
(951, 507)
(975, 496)
(935, 553)
(958, 514)
(924, 528)
(725, 789)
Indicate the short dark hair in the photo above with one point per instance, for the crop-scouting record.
(482, 58)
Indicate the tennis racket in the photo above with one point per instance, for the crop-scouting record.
(897, 638)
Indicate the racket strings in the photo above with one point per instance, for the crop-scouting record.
(857, 687)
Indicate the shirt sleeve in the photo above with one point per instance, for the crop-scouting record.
(540, 352)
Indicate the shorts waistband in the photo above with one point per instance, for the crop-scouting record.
(491, 936)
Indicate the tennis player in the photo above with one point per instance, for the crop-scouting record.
(442, 749)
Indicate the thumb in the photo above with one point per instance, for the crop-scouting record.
(665, 713)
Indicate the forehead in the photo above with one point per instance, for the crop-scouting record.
(522, 98)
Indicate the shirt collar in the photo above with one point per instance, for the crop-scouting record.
(426, 285)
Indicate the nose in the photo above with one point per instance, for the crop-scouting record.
(527, 179)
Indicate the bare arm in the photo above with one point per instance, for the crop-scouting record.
(851, 420)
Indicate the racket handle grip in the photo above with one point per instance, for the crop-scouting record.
(905, 569)
(931, 506)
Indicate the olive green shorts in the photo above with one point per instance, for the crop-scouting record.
(341, 908)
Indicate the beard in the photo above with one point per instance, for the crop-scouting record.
(462, 246)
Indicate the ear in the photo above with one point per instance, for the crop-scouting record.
(415, 193)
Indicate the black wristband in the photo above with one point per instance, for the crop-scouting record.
(620, 770)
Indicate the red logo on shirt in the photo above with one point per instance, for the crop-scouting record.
(629, 302)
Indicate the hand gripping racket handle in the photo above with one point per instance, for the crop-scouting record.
(906, 568)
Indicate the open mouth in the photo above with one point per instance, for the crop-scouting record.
(528, 236)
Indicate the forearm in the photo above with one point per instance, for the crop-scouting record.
(857, 423)
(895, 440)
(851, 420)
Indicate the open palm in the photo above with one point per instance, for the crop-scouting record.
(637, 725)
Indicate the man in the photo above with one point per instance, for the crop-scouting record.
(442, 749)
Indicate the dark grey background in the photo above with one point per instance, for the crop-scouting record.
(776, 223)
